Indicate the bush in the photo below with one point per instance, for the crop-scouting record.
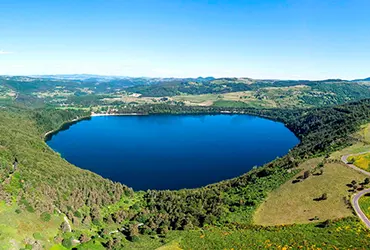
(324, 196)
(45, 217)
(28, 247)
(134, 238)
(77, 214)
(67, 242)
(30, 209)
(135, 206)
(351, 161)
(96, 222)
(306, 174)
(366, 181)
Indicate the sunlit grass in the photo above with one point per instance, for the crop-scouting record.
(347, 233)
(361, 161)
(17, 224)
(294, 202)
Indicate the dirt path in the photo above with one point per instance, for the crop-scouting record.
(69, 228)
(357, 196)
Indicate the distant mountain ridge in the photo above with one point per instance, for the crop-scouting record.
(362, 80)
(114, 77)
(149, 80)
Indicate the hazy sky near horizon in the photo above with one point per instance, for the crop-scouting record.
(286, 39)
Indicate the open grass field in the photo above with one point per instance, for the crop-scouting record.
(73, 108)
(201, 100)
(6, 93)
(294, 202)
(271, 97)
(232, 99)
(173, 245)
(15, 227)
(131, 99)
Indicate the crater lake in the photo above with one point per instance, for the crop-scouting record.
(172, 151)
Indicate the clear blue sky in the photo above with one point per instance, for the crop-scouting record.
(291, 39)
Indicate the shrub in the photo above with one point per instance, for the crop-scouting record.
(366, 181)
(135, 206)
(134, 238)
(45, 217)
(306, 174)
(30, 209)
(28, 247)
(96, 222)
(67, 242)
(77, 214)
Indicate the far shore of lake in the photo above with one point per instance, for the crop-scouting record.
(87, 117)
(115, 114)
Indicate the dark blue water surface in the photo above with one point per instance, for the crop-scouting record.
(172, 151)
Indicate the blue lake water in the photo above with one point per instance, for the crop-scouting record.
(172, 151)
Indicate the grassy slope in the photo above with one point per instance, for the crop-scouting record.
(348, 233)
(15, 228)
(240, 99)
(293, 203)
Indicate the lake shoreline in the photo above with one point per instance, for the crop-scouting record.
(64, 126)
(117, 114)
(177, 141)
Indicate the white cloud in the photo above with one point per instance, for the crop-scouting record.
(2, 52)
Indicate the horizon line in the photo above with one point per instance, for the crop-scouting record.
(175, 77)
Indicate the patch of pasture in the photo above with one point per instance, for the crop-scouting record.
(18, 226)
(298, 200)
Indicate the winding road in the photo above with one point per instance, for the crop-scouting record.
(357, 196)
